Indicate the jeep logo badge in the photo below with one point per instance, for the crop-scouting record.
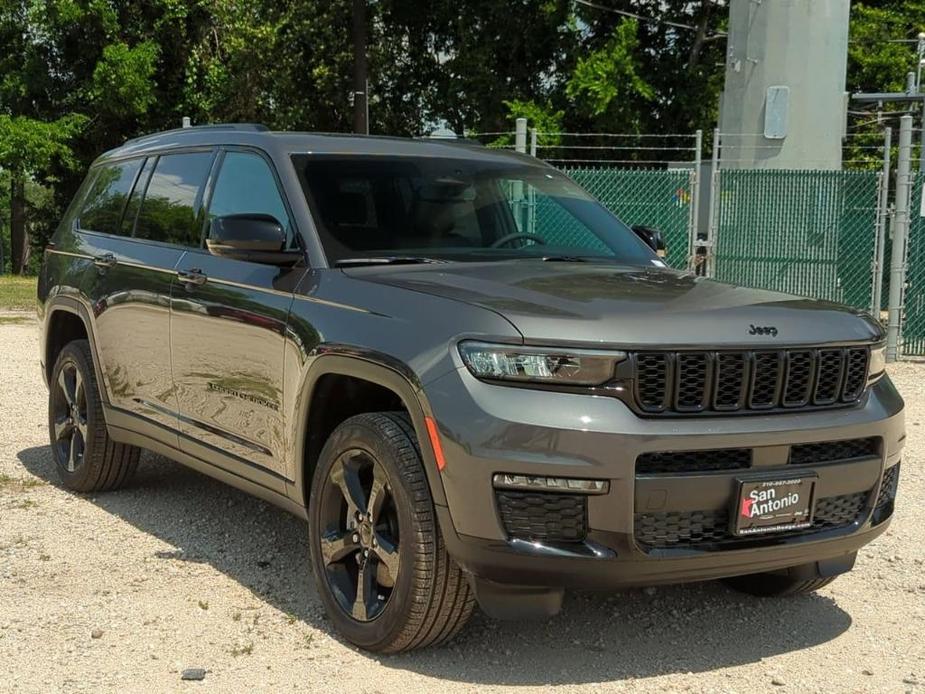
(762, 330)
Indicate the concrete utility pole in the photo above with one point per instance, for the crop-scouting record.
(784, 102)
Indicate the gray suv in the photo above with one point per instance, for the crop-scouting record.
(472, 380)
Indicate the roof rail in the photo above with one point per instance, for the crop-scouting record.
(243, 127)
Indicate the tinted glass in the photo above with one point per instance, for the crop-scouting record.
(458, 210)
(102, 208)
(170, 211)
(134, 201)
(246, 185)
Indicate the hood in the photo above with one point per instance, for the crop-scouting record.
(632, 306)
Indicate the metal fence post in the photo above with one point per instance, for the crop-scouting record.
(695, 201)
(533, 142)
(517, 192)
(520, 135)
(710, 250)
(883, 214)
(900, 233)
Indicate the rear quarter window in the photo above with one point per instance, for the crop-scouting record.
(105, 201)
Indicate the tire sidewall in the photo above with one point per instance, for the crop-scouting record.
(361, 434)
(73, 354)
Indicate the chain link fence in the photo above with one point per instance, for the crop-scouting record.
(650, 197)
(810, 233)
(913, 331)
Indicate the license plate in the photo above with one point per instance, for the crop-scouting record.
(773, 505)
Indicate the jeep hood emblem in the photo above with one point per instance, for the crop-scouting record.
(762, 330)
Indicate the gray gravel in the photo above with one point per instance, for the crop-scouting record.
(126, 591)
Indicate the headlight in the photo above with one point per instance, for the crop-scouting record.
(877, 363)
(539, 364)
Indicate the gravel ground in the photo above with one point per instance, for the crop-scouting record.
(122, 591)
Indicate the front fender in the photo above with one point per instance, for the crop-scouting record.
(377, 368)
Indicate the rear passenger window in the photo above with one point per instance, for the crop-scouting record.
(102, 208)
(170, 210)
(246, 185)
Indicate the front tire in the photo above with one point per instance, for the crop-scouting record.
(86, 459)
(776, 585)
(383, 573)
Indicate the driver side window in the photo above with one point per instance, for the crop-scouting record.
(246, 185)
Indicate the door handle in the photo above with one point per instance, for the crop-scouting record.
(192, 278)
(105, 261)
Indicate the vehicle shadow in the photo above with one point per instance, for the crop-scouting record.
(627, 635)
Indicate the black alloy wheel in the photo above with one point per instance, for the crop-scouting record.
(359, 535)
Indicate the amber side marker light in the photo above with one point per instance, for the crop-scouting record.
(435, 442)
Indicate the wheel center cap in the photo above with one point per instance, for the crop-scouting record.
(366, 534)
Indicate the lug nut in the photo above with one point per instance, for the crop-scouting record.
(356, 538)
(365, 552)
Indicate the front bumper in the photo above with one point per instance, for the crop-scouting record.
(487, 429)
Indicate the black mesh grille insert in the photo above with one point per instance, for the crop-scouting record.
(828, 376)
(651, 380)
(765, 379)
(679, 462)
(799, 379)
(690, 388)
(543, 516)
(831, 451)
(888, 488)
(693, 529)
(729, 385)
(855, 374)
(727, 382)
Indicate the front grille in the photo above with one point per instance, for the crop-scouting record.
(744, 381)
(679, 462)
(543, 516)
(703, 529)
(832, 451)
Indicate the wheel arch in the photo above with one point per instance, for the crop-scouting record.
(67, 319)
(380, 371)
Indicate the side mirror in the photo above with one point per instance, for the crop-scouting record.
(652, 238)
(256, 238)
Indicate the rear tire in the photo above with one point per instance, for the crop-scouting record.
(86, 459)
(776, 585)
(372, 523)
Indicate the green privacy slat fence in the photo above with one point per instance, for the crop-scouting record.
(658, 198)
(802, 232)
(914, 314)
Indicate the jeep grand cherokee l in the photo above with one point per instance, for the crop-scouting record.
(473, 381)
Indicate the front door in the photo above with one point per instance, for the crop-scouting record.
(228, 331)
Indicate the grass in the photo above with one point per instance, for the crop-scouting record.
(17, 293)
(14, 484)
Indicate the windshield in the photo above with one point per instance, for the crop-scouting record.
(457, 209)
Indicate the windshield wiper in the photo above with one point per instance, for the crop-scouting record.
(386, 260)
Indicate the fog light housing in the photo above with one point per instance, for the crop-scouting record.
(506, 480)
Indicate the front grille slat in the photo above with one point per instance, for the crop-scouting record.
(709, 530)
(834, 451)
(691, 382)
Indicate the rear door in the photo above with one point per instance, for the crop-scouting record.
(129, 290)
(228, 329)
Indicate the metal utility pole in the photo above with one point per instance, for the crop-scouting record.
(900, 236)
(360, 77)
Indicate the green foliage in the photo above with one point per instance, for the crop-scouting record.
(610, 73)
(29, 146)
(122, 81)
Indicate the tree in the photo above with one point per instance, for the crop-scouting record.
(28, 147)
